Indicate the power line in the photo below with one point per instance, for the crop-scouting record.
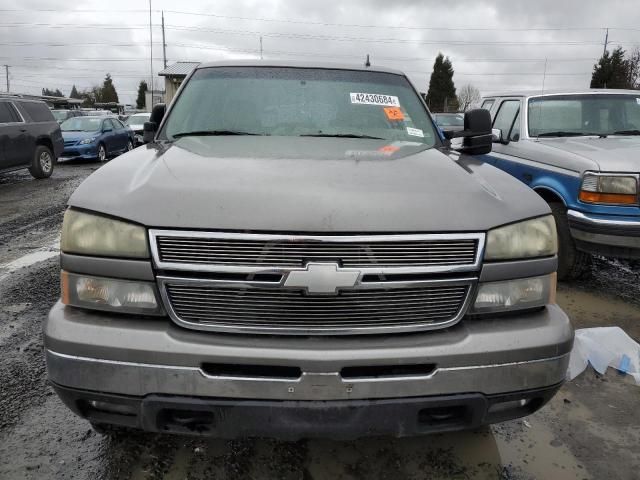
(304, 36)
(318, 37)
(92, 26)
(92, 59)
(326, 24)
(67, 70)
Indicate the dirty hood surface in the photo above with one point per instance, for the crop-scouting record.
(296, 184)
(612, 154)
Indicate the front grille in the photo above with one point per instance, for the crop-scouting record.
(69, 143)
(315, 284)
(297, 252)
(208, 306)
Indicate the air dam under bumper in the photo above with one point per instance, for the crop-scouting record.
(151, 374)
(295, 420)
(606, 235)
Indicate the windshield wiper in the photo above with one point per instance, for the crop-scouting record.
(213, 133)
(626, 132)
(565, 134)
(341, 135)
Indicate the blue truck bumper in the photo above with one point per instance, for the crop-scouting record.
(605, 234)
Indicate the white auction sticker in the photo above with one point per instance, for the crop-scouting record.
(638, 101)
(416, 132)
(375, 99)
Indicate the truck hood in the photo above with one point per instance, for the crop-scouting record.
(295, 184)
(612, 154)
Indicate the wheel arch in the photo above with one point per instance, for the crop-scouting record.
(45, 142)
(549, 194)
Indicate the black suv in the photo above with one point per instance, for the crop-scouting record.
(30, 137)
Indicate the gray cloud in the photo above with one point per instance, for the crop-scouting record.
(126, 51)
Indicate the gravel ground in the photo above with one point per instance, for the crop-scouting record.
(591, 429)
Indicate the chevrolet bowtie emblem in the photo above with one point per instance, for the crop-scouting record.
(320, 278)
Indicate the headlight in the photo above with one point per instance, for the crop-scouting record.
(516, 294)
(86, 141)
(611, 189)
(124, 296)
(89, 234)
(528, 239)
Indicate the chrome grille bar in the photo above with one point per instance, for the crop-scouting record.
(239, 252)
(267, 307)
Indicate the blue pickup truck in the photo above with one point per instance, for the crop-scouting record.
(581, 152)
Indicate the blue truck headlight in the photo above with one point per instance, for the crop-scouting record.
(88, 141)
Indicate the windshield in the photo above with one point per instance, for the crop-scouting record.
(450, 120)
(592, 114)
(60, 114)
(138, 119)
(81, 124)
(299, 102)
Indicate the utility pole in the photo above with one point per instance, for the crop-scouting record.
(150, 55)
(606, 41)
(260, 47)
(6, 70)
(164, 44)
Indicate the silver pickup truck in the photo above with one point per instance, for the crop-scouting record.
(296, 253)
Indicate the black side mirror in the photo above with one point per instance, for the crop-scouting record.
(477, 137)
(151, 127)
(149, 131)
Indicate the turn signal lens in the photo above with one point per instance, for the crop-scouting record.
(515, 294)
(613, 198)
(124, 296)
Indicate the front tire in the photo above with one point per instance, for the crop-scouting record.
(42, 163)
(573, 264)
(102, 153)
(129, 145)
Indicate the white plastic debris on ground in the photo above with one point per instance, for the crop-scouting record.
(604, 347)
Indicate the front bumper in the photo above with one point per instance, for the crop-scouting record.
(93, 353)
(294, 420)
(606, 235)
(87, 152)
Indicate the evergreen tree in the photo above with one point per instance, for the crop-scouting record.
(141, 100)
(74, 93)
(441, 95)
(108, 91)
(52, 93)
(611, 71)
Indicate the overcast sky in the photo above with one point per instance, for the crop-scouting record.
(492, 44)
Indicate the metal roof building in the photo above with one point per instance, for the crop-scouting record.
(174, 75)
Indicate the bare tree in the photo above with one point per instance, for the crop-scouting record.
(467, 96)
(633, 67)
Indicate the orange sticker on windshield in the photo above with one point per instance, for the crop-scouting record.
(393, 113)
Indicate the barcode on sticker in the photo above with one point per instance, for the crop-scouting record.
(375, 99)
(416, 132)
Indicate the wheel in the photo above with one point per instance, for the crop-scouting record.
(42, 164)
(129, 145)
(102, 153)
(572, 263)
